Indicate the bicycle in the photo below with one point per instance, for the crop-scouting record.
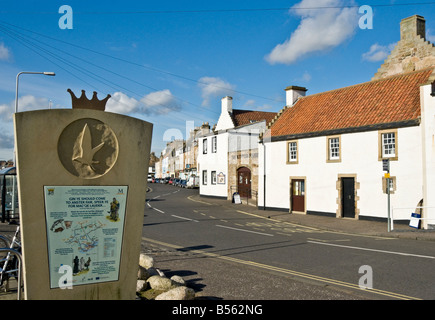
(10, 267)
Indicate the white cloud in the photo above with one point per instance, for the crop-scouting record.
(5, 53)
(25, 103)
(154, 103)
(213, 87)
(121, 103)
(378, 52)
(159, 102)
(320, 29)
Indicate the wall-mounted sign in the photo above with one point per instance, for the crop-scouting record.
(85, 226)
(221, 178)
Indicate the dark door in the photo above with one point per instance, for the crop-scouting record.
(244, 182)
(348, 197)
(298, 195)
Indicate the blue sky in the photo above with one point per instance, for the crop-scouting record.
(171, 62)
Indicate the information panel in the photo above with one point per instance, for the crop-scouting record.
(85, 226)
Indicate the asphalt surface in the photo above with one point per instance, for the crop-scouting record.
(222, 277)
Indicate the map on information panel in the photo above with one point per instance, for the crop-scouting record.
(85, 231)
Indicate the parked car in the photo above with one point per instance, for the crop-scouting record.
(157, 180)
(183, 183)
(171, 181)
(153, 180)
(176, 182)
(193, 182)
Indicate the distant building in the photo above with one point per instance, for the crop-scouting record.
(228, 156)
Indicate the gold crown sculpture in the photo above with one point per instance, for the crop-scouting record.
(84, 103)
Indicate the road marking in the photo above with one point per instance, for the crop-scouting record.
(316, 230)
(275, 220)
(374, 250)
(173, 215)
(264, 234)
(289, 272)
(322, 240)
(159, 210)
(189, 197)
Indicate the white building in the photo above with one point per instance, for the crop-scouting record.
(228, 156)
(324, 153)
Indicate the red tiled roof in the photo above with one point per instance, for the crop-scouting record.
(392, 99)
(242, 117)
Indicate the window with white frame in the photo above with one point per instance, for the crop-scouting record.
(334, 148)
(388, 144)
(204, 146)
(214, 144)
(204, 177)
(213, 177)
(292, 154)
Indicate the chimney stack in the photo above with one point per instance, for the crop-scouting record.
(412, 27)
(293, 93)
(227, 104)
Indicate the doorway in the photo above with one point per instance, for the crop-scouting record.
(348, 197)
(244, 182)
(298, 195)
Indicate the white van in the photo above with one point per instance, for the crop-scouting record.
(193, 182)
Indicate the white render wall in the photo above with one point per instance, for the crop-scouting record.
(359, 155)
(428, 141)
(213, 162)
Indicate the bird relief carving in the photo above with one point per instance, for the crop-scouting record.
(88, 148)
(84, 152)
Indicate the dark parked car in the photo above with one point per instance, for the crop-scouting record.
(176, 182)
(183, 183)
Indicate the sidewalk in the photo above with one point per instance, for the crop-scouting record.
(345, 225)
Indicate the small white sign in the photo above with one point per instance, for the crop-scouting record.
(237, 199)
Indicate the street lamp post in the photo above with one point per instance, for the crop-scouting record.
(16, 83)
(47, 73)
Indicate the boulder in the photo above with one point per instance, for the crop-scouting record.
(178, 280)
(178, 293)
(146, 261)
(160, 283)
(142, 273)
(155, 272)
(141, 285)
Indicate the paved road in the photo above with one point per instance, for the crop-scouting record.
(229, 253)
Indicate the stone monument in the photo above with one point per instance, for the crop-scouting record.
(82, 176)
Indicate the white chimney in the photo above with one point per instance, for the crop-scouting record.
(293, 93)
(227, 104)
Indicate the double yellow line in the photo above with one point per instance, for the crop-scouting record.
(290, 272)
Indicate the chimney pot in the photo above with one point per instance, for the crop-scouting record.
(227, 104)
(293, 93)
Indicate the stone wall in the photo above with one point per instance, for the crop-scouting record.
(412, 52)
(238, 159)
